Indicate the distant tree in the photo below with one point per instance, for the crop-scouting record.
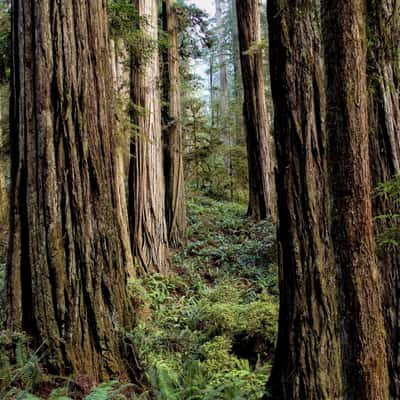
(197, 143)
(237, 84)
(146, 177)
(175, 207)
(193, 32)
(223, 106)
(256, 117)
(66, 274)
(360, 310)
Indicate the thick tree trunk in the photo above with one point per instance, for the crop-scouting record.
(175, 207)
(362, 333)
(66, 276)
(146, 177)
(307, 359)
(261, 175)
(384, 119)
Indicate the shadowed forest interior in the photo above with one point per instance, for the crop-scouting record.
(199, 200)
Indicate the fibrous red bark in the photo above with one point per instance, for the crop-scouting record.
(362, 330)
(146, 177)
(175, 207)
(307, 361)
(256, 117)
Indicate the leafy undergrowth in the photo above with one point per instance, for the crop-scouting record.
(206, 331)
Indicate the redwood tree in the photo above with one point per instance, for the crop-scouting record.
(175, 206)
(260, 155)
(66, 276)
(384, 121)
(146, 177)
(223, 106)
(121, 99)
(307, 359)
(359, 287)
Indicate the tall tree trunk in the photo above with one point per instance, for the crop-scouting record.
(261, 176)
(175, 207)
(146, 177)
(307, 359)
(237, 72)
(121, 81)
(223, 89)
(223, 75)
(212, 101)
(362, 330)
(66, 275)
(384, 119)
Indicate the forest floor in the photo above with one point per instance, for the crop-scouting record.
(204, 332)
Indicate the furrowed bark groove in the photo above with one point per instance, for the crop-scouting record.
(259, 143)
(175, 206)
(146, 177)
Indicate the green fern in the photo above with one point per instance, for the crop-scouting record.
(389, 191)
(59, 394)
(26, 396)
(20, 353)
(103, 391)
(164, 382)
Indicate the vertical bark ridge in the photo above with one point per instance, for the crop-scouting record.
(119, 58)
(146, 178)
(259, 143)
(362, 330)
(175, 206)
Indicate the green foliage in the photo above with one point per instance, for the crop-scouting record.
(257, 47)
(127, 29)
(389, 191)
(60, 394)
(193, 30)
(27, 396)
(105, 391)
(19, 367)
(211, 327)
(206, 153)
(198, 383)
(205, 331)
(231, 317)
